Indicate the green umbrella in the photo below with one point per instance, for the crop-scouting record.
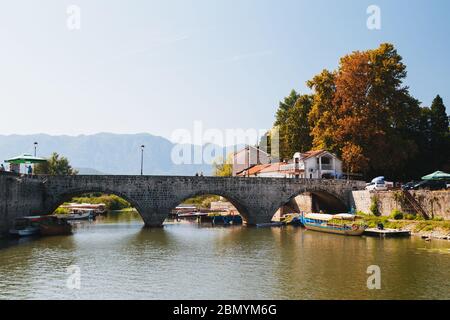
(438, 175)
(25, 158)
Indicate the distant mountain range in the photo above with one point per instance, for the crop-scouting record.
(104, 153)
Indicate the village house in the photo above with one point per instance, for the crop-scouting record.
(316, 164)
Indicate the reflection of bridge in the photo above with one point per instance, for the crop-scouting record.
(257, 199)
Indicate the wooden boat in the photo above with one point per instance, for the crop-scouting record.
(344, 224)
(54, 226)
(26, 226)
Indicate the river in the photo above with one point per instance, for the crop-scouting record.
(118, 259)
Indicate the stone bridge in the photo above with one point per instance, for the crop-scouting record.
(257, 199)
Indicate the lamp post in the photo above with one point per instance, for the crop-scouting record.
(35, 147)
(142, 159)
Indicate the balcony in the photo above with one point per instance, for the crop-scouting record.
(327, 167)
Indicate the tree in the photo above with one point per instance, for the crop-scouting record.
(322, 115)
(223, 168)
(298, 131)
(364, 113)
(439, 135)
(281, 122)
(54, 166)
(293, 125)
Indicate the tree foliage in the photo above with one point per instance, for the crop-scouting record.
(293, 125)
(223, 168)
(363, 112)
(54, 166)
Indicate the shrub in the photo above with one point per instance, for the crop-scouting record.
(374, 207)
(396, 214)
(409, 216)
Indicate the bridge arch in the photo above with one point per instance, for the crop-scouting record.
(238, 204)
(313, 200)
(66, 196)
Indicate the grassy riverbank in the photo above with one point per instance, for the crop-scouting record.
(112, 202)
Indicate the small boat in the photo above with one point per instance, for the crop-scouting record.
(54, 226)
(84, 215)
(226, 220)
(344, 223)
(387, 233)
(26, 226)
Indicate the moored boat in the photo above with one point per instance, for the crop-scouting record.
(82, 215)
(54, 226)
(26, 226)
(345, 224)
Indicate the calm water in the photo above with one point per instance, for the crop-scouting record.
(119, 259)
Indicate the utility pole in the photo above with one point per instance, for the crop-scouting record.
(142, 159)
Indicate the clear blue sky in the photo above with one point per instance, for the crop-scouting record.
(156, 66)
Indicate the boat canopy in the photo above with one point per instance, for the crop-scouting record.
(328, 217)
(345, 216)
(319, 216)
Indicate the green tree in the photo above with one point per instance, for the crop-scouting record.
(292, 123)
(439, 135)
(284, 113)
(297, 128)
(54, 166)
(223, 168)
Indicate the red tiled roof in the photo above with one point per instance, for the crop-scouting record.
(312, 153)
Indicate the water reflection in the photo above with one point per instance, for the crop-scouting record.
(120, 259)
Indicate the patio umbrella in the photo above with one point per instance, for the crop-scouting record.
(25, 158)
(438, 175)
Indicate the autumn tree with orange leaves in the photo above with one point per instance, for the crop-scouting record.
(364, 113)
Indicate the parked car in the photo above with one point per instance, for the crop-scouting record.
(409, 185)
(379, 184)
(376, 186)
(431, 185)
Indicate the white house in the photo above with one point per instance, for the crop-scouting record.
(317, 164)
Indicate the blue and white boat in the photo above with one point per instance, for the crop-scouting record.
(344, 223)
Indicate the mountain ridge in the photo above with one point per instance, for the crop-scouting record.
(115, 153)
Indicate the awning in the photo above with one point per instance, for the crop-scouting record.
(438, 175)
(25, 158)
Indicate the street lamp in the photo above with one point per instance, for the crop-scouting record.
(35, 147)
(142, 159)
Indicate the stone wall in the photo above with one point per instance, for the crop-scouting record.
(435, 203)
(18, 198)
